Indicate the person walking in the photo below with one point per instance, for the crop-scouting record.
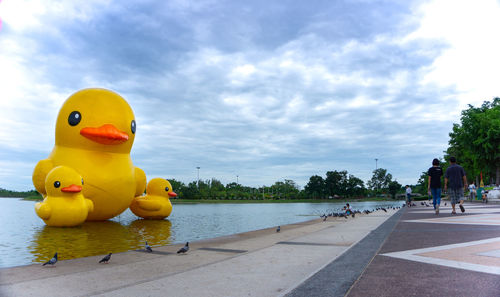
(472, 191)
(408, 195)
(434, 184)
(455, 175)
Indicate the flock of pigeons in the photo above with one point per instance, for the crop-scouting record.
(426, 204)
(106, 258)
(344, 214)
(185, 248)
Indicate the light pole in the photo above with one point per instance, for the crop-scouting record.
(376, 163)
(198, 181)
(237, 181)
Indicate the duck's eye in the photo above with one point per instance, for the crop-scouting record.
(132, 126)
(74, 118)
(57, 184)
(166, 189)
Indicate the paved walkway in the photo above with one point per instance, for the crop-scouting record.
(445, 255)
(258, 263)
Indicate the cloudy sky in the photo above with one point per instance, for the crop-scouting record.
(262, 90)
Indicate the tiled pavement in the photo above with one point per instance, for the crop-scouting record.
(429, 255)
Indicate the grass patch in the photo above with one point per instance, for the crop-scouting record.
(34, 198)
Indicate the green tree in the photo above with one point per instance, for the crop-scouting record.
(475, 142)
(355, 186)
(315, 188)
(336, 183)
(380, 180)
(394, 188)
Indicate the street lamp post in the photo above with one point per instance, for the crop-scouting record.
(237, 181)
(198, 181)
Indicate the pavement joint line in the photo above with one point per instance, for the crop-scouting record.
(314, 243)
(154, 252)
(222, 250)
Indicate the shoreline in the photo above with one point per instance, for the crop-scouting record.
(196, 201)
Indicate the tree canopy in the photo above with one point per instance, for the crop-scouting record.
(475, 142)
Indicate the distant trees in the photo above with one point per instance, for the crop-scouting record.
(336, 183)
(475, 142)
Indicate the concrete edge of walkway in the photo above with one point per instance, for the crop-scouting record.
(337, 277)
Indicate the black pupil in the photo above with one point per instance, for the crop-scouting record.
(132, 126)
(57, 184)
(82, 181)
(74, 118)
(166, 189)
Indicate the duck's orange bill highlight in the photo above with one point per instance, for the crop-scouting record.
(72, 189)
(172, 194)
(106, 134)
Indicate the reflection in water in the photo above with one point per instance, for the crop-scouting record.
(155, 232)
(97, 238)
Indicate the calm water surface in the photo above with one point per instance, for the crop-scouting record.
(25, 239)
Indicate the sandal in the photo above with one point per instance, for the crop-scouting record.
(462, 208)
(453, 212)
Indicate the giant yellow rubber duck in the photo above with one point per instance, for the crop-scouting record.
(64, 204)
(155, 205)
(95, 130)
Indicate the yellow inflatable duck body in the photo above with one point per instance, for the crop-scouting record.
(95, 130)
(64, 205)
(155, 205)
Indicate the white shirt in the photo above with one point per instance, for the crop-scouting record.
(408, 190)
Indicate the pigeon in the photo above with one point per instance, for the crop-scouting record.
(383, 209)
(278, 229)
(51, 261)
(106, 258)
(184, 249)
(324, 218)
(148, 248)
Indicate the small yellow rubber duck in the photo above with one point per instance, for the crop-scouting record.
(64, 204)
(155, 205)
(95, 130)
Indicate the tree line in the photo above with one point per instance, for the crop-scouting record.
(335, 184)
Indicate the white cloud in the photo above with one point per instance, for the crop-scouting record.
(471, 61)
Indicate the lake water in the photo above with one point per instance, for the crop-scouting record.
(25, 239)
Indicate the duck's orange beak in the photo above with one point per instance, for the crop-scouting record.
(72, 189)
(106, 134)
(172, 194)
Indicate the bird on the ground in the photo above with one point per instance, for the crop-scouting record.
(184, 249)
(148, 248)
(278, 229)
(383, 209)
(106, 258)
(51, 261)
(324, 218)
